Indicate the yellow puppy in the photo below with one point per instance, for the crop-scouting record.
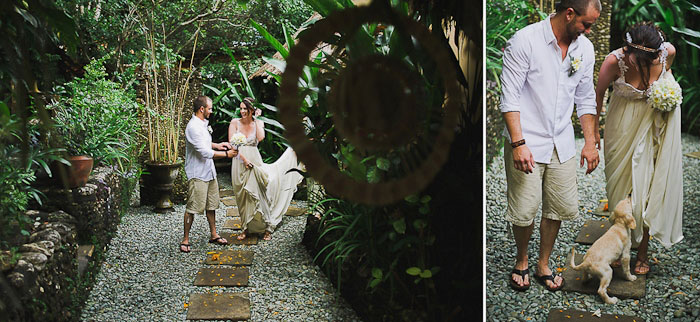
(614, 244)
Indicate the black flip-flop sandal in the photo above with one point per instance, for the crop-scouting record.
(185, 251)
(522, 274)
(544, 278)
(218, 240)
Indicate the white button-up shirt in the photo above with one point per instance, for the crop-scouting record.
(199, 162)
(536, 83)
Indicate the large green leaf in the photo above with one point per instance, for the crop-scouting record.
(687, 31)
(270, 39)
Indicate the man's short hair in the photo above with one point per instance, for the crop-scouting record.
(200, 101)
(580, 6)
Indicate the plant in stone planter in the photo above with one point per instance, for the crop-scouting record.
(166, 88)
(96, 120)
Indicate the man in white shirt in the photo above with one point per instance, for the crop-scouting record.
(547, 68)
(202, 187)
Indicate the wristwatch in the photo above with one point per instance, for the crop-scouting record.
(517, 143)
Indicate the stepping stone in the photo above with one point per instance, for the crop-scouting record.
(557, 315)
(230, 257)
(225, 193)
(233, 223)
(592, 230)
(251, 239)
(232, 212)
(222, 276)
(295, 211)
(619, 286)
(693, 154)
(229, 201)
(601, 210)
(83, 255)
(215, 306)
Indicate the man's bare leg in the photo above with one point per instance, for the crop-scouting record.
(211, 218)
(188, 219)
(548, 235)
(641, 267)
(522, 238)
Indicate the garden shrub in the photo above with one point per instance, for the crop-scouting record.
(97, 117)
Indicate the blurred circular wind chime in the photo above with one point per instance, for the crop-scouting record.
(391, 94)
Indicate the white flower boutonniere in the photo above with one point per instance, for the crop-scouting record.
(210, 129)
(575, 64)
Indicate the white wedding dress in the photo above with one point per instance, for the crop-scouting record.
(643, 158)
(263, 193)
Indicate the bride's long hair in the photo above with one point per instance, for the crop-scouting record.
(649, 37)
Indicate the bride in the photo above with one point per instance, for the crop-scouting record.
(263, 191)
(642, 142)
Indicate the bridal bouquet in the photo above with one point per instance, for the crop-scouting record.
(665, 95)
(238, 139)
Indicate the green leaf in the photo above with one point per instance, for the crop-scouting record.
(374, 283)
(377, 273)
(425, 199)
(4, 109)
(270, 39)
(687, 31)
(412, 199)
(400, 226)
(372, 175)
(424, 210)
(413, 271)
(383, 163)
(24, 232)
(420, 224)
(426, 274)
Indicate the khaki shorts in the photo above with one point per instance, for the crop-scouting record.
(554, 185)
(202, 195)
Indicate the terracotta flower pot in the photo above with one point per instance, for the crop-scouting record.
(76, 175)
(162, 178)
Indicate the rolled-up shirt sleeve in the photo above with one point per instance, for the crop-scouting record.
(201, 145)
(515, 67)
(584, 98)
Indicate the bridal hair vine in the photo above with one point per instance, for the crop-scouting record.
(640, 47)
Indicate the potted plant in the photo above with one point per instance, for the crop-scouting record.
(95, 120)
(165, 98)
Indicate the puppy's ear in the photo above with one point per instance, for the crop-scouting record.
(630, 221)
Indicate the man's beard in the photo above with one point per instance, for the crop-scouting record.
(571, 31)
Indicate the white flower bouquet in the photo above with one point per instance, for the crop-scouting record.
(238, 139)
(575, 64)
(665, 95)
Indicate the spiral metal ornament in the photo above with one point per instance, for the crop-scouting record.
(371, 115)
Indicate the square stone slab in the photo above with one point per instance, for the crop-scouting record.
(222, 276)
(214, 306)
(233, 223)
(251, 239)
(230, 257)
(225, 193)
(229, 201)
(592, 230)
(295, 211)
(619, 286)
(693, 154)
(557, 315)
(232, 212)
(601, 211)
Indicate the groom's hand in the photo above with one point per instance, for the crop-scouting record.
(523, 159)
(590, 154)
(223, 146)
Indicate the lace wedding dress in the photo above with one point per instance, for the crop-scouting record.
(643, 158)
(264, 192)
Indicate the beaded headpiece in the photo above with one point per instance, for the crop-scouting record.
(640, 47)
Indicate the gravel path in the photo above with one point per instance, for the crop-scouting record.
(673, 285)
(144, 277)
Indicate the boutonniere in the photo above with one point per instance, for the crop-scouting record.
(575, 64)
(210, 129)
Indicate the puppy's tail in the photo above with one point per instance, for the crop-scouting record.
(573, 263)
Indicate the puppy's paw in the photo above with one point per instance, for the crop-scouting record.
(612, 300)
(631, 278)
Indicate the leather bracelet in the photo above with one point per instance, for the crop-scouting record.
(517, 143)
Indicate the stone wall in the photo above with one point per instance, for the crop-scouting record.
(41, 282)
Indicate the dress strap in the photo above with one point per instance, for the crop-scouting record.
(620, 62)
(662, 57)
